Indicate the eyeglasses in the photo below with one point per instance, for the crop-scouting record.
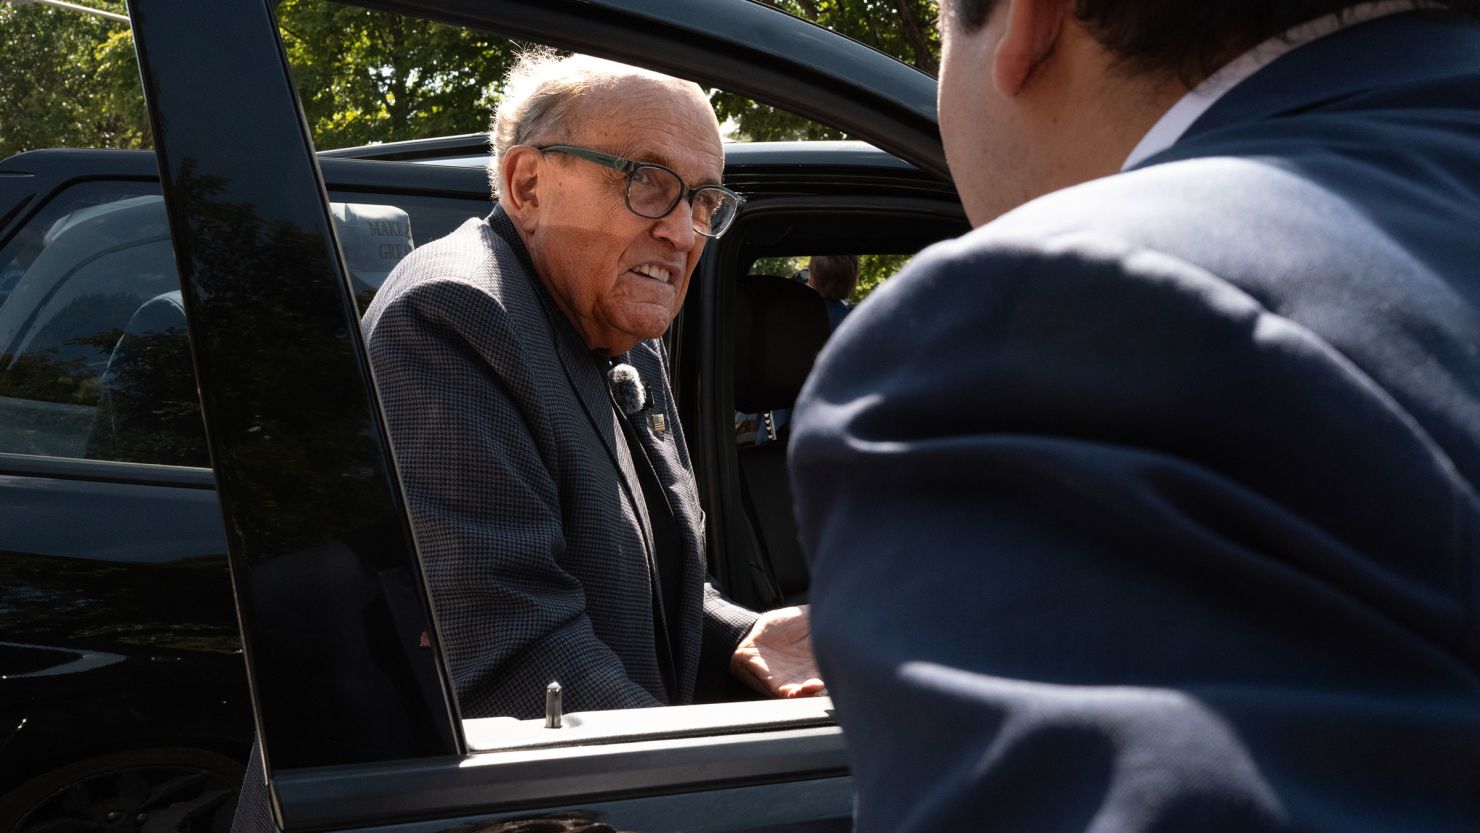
(653, 190)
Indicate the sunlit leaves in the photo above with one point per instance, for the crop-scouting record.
(368, 76)
(364, 76)
(904, 29)
(60, 79)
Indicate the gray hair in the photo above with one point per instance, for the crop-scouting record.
(542, 93)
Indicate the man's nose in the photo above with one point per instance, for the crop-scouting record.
(677, 226)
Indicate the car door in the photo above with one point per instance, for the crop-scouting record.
(122, 690)
(351, 692)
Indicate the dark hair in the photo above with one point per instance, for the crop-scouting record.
(1190, 38)
(833, 276)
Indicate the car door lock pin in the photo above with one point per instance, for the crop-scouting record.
(553, 707)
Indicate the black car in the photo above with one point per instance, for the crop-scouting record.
(136, 458)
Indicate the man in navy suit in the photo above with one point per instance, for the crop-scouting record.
(1153, 503)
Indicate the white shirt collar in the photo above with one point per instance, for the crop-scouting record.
(1174, 122)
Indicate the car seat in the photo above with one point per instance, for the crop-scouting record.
(149, 408)
(780, 325)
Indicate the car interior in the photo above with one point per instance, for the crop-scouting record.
(780, 325)
(775, 326)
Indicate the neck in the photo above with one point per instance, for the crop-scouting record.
(1092, 128)
(519, 240)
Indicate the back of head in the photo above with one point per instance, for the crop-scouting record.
(545, 94)
(833, 276)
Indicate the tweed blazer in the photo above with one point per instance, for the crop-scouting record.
(526, 507)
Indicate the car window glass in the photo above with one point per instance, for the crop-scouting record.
(376, 231)
(69, 281)
(94, 357)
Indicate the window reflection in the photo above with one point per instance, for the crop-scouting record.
(94, 356)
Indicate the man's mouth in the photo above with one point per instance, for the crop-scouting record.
(651, 270)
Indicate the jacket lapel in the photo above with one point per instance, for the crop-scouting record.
(589, 383)
(683, 504)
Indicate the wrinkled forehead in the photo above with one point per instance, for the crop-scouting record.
(659, 120)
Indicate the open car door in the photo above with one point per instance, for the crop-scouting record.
(352, 696)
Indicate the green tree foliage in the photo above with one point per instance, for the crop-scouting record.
(904, 29)
(70, 80)
(872, 270)
(60, 76)
(368, 76)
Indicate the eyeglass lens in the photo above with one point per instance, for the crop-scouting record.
(653, 191)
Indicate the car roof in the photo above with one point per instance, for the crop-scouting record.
(446, 165)
(452, 151)
(471, 149)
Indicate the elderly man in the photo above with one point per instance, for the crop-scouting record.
(528, 403)
(1153, 504)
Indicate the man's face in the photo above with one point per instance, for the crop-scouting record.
(991, 160)
(621, 278)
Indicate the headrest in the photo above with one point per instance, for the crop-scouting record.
(148, 410)
(780, 326)
(373, 237)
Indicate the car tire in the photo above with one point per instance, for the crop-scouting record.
(146, 791)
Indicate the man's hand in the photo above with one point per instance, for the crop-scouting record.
(775, 658)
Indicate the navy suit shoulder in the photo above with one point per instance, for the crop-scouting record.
(1177, 467)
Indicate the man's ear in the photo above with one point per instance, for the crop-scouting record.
(519, 185)
(1028, 38)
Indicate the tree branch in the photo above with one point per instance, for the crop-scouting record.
(919, 44)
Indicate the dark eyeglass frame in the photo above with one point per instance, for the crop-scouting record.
(630, 167)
